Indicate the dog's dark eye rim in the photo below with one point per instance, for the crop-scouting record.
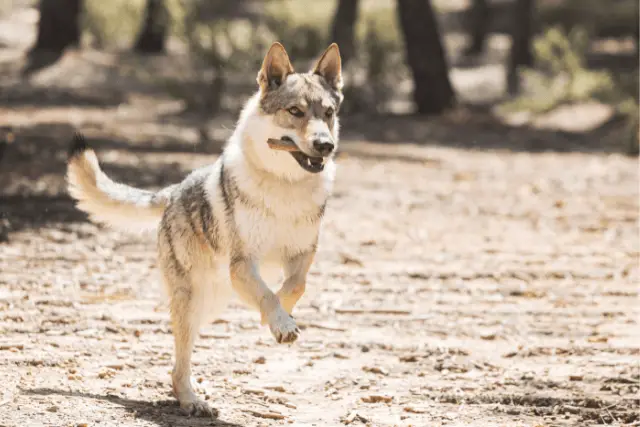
(295, 111)
(329, 112)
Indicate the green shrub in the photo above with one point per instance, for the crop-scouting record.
(562, 77)
(112, 24)
(376, 69)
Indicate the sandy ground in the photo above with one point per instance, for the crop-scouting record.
(470, 286)
(452, 287)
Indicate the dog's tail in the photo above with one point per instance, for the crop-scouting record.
(107, 201)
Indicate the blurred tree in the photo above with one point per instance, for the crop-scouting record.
(343, 28)
(4, 140)
(478, 22)
(154, 32)
(432, 91)
(211, 32)
(521, 49)
(59, 25)
(58, 29)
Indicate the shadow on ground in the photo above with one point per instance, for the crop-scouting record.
(163, 413)
(33, 165)
(477, 129)
(28, 95)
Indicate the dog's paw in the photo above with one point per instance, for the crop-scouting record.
(283, 327)
(198, 408)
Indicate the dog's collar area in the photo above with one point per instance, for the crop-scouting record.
(308, 163)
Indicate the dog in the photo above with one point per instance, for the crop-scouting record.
(254, 207)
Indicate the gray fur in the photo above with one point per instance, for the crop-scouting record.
(166, 236)
(198, 210)
(237, 195)
(223, 183)
(312, 88)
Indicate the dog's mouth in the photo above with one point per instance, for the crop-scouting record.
(308, 163)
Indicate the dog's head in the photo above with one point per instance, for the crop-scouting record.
(302, 107)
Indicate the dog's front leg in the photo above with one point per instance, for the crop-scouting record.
(251, 288)
(295, 270)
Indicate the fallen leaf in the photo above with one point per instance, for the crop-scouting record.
(375, 370)
(11, 347)
(106, 373)
(527, 293)
(488, 337)
(371, 311)
(215, 336)
(353, 416)
(464, 176)
(322, 326)
(375, 398)
(350, 260)
(117, 367)
(414, 410)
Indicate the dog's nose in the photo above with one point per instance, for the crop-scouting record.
(323, 145)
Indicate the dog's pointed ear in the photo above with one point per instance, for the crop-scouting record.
(329, 66)
(275, 67)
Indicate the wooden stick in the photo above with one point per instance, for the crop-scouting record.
(321, 326)
(268, 415)
(282, 145)
(372, 311)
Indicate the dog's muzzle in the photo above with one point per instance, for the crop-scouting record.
(308, 163)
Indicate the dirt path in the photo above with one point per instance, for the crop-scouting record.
(451, 287)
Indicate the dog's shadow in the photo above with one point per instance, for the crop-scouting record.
(163, 413)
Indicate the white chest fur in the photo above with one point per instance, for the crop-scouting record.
(273, 215)
(274, 223)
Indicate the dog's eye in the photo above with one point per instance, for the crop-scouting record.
(329, 113)
(295, 111)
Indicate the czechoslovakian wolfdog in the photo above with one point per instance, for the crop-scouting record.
(253, 206)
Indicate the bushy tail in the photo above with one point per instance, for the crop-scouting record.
(107, 201)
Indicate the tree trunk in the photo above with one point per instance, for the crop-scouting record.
(59, 26)
(432, 92)
(479, 24)
(153, 36)
(520, 53)
(343, 28)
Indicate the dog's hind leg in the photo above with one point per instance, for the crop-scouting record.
(186, 315)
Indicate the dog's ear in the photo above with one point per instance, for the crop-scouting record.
(275, 67)
(329, 66)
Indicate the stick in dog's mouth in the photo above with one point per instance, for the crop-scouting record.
(284, 144)
(308, 163)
